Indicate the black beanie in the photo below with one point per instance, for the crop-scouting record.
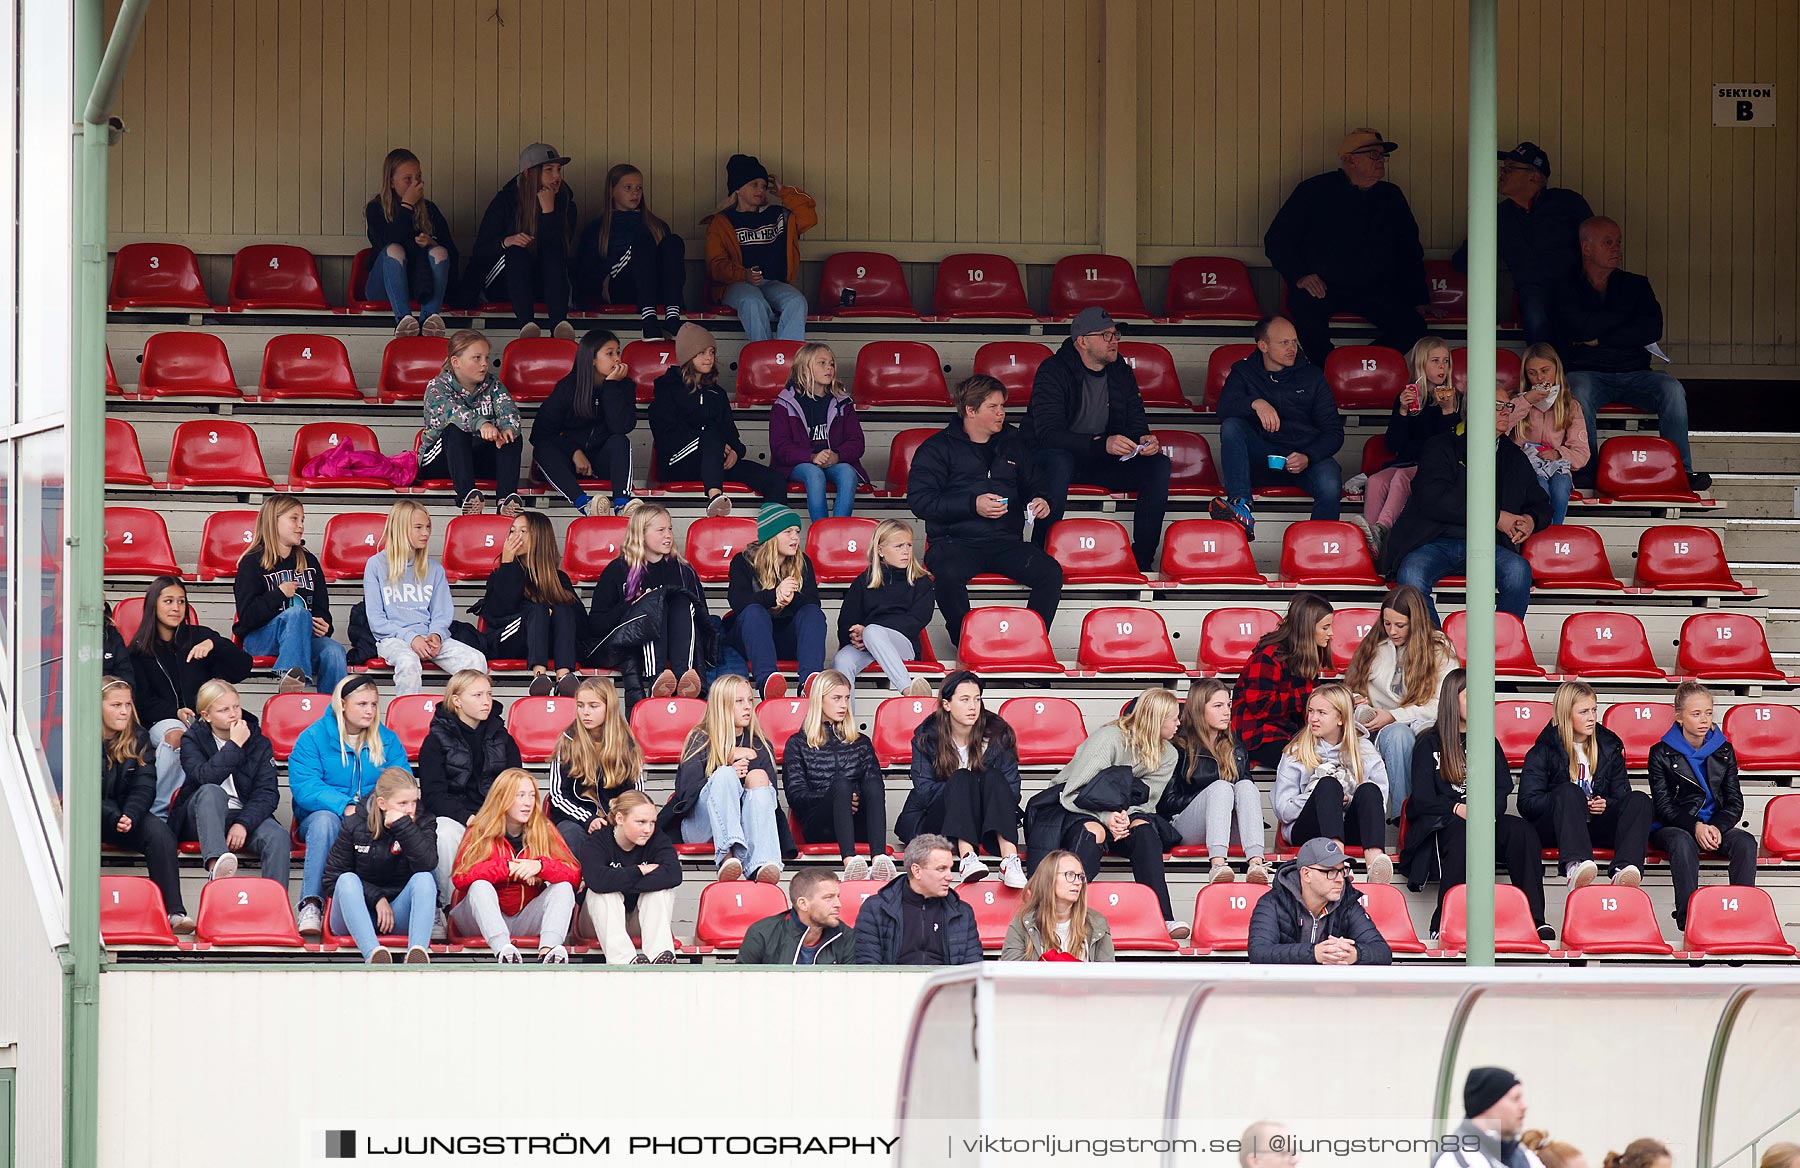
(1485, 1087)
(741, 169)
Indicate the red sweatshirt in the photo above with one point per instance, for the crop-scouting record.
(514, 894)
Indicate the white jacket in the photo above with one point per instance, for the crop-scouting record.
(1294, 782)
(1381, 695)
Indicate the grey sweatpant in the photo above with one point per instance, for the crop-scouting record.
(1208, 818)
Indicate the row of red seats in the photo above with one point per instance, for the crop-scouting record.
(267, 277)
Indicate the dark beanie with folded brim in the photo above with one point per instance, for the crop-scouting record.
(1485, 1087)
(743, 168)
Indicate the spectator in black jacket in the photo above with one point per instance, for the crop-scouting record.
(1086, 422)
(1211, 796)
(230, 790)
(774, 597)
(379, 873)
(1346, 241)
(694, 434)
(833, 780)
(595, 761)
(648, 618)
(974, 486)
(127, 785)
(173, 657)
(531, 610)
(885, 610)
(629, 255)
(1694, 789)
(1278, 424)
(283, 608)
(1575, 791)
(918, 919)
(813, 932)
(583, 429)
(631, 870)
(465, 749)
(1604, 320)
(526, 237)
(412, 253)
(965, 776)
(1537, 226)
(1430, 539)
(1437, 812)
(1313, 914)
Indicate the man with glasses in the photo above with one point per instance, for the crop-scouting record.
(1430, 539)
(1313, 914)
(1537, 225)
(1086, 424)
(1346, 241)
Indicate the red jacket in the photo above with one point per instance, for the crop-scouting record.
(514, 894)
(1270, 702)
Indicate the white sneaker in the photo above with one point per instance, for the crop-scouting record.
(440, 926)
(717, 506)
(555, 955)
(181, 923)
(600, 504)
(971, 869)
(1581, 875)
(882, 868)
(856, 868)
(1628, 876)
(510, 956)
(1012, 872)
(1221, 873)
(1258, 871)
(1380, 868)
(731, 869)
(1177, 930)
(312, 919)
(224, 867)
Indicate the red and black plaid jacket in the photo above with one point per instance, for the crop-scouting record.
(1270, 702)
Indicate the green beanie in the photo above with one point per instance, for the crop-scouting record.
(774, 519)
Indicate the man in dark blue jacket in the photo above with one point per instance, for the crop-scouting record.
(1278, 425)
(1313, 915)
(917, 919)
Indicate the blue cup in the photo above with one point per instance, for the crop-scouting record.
(1277, 462)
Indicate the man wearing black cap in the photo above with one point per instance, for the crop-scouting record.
(753, 250)
(1494, 1102)
(1537, 227)
(1313, 914)
(1346, 241)
(1086, 423)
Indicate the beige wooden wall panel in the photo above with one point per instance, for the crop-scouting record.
(1241, 101)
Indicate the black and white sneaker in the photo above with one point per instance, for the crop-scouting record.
(512, 506)
(542, 686)
(474, 503)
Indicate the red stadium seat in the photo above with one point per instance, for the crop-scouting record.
(647, 360)
(1049, 730)
(661, 726)
(1449, 291)
(1677, 558)
(994, 905)
(1208, 551)
(137, 543)
(286, 716)
(1229, 635)
(712, 542)
(186, 365)
(1125, 640)
(1729, 920)
(132, 913)
(854, 892)
(873, 278)
(1605, 644)
(224, 538)
(124, 460)
(1218, 368)
(900, 456)
(1106, 281)
(536, 724)
(1639, 726)
(530, 367)
(1366, 377)
(591, 543)
(1326, 551)
(409, 717)
(977, 284)
(900, 373)
(1386, 906)
(729, 907)
(351, 537)
(1211, 288)
(1191, 470)
(156, 275)
(1514, 930)
(895, 721)
(1611, 919)
(216, 452)
(1517, 724)
(1375, 454)
(780, 718)
(307, 365)
(354, 300)
(113, 388)
(1719, 646)
(1572, 558)
(246, 910)
(1781, 827)
(1222, 917)
(1765, 736)
(317, 438)
(1506, 369)
(1006, 640)
(1135, 917)
(128, 613)
(1512, 648)
(1349, 626)
(1093, 551)
(1157, 380)
(1640, 468)
(839, 548)
(1014, 364)
(763, 371)
(268, 276)
(472, 545)
(407, 366)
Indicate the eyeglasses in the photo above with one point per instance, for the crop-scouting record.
(1506, 407)
(1331, 873)
(1074, 877)
(1109, 335)
(1369, 152)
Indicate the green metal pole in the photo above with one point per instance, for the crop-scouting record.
(1478, 409)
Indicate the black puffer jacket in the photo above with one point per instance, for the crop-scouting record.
(1056, 399)
(949, 471)
(1548, 764)
(250, 767)
(880, 928)
(1282, 932)
(384, 862)
(1185, 784)
(168, 681)
(127, 788)
(810, 772)
(679, 415)
(452, 781)
(1675, 789)
(999, 753)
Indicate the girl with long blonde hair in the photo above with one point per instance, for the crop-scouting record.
(283, 609)
(412, 251)
(1331, 782)
(379, 872)
(1054, 922)
(775, 607)
(514, 875)
(595, 761)
(1552, 428)
(632, 870)
(1211, 785)
(1394, 677)
(628, 255)
(725, 786)
(833, 780)
(649, 610)
(127, 785)
(1427, 406)
(814, 434)
(885, 610)
(406, 597)
(530, 608)
(1574, 789)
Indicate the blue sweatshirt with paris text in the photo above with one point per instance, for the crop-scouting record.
(410, 608)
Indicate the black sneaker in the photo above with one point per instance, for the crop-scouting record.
(653, 329)
(666, 957)
(474, 503)
(1546, 933)
(1234, 511)
(512, 506)
(1699, 480)
(542, 686)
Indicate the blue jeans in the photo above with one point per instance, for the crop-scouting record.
(415, 908)
(1646, 389)
(290, 637)
(755, 633)
(814, 478)
(1430, 562)
(389, 281)
(1394, 742)
(1244, 460)
(1557, 486)
(318, 831)
(739, 821)
(757, 304)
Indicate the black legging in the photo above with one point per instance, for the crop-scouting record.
(1520, 852)
(978, 808)
(466, 457)
(708, 465)
(1363, 823)
(542, 634)
(1624, 827)
(611, 460)
(654, 275)
(525, 272)
(1142, 845)
(831, 817)
(152, 837)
